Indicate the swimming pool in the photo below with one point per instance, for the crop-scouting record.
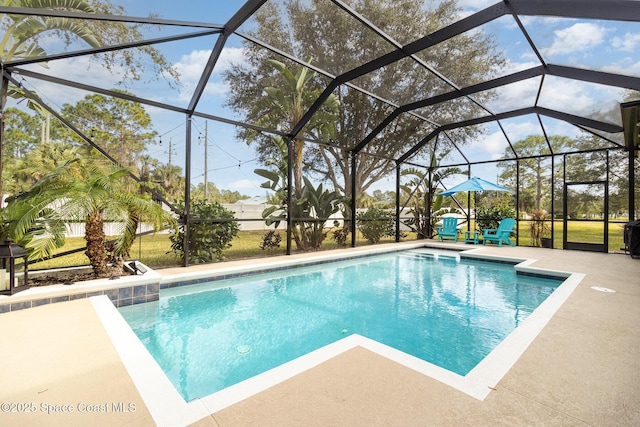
(442, 309)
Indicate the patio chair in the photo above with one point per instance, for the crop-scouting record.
(501, 234)
(448, 229)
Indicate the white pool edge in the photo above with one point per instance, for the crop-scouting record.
(168, 408)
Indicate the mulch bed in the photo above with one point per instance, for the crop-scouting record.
(56, 280)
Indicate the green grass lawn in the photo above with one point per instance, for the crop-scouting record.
(154, 250)
(579, 231)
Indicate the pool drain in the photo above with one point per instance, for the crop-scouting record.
(243, 349)
(601, 289)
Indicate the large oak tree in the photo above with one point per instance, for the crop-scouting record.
(336, 43)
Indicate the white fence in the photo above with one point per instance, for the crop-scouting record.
(76, 229)
(249, 216)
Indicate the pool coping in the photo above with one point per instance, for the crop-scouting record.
(168, 408)
(138, 289)
(121, 291)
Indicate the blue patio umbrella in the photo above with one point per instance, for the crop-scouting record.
(474, 184)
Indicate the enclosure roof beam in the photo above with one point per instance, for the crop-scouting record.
(459, 27)
(570, 118)
(89, 88)
(367, 139)
(206, 72)
(241, 124)
(419, 145)
(55, 114)
(628, 11)
(314, 107)
(578, 120)
(318, 70)
(348, 9)
(232, 25)
(456, 146)
(131, 98)
(245, 12)
(501, 81)
(612, 10)
(591, 76)
(66, 55)
(104, 17)
(604, 138)
(480, 87)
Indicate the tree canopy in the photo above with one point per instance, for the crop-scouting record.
(122, 128)
(320, 31)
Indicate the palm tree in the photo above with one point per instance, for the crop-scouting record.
(44, 158)
(20, 40)
(282, 110)
(95, 190)
(425, 203)
(33, 225)
(21, 36)
(312, 202)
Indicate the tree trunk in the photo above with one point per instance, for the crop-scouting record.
(3, 102)
(538, 183)
(297, 165)
(117, 266)
(94, 236)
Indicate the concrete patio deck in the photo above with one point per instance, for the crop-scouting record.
(583, 369)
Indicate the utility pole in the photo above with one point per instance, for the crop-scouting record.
(46, 126)
(206, 143)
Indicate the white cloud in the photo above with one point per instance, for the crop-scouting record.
(475, 4)
(627, 43)
(518, 131)
(576, 97)
(511, 66)
(516, 95)
(576, 38)
(229, 56)
(81, 70)
(625, 66)
(494, 144)
(192, 65)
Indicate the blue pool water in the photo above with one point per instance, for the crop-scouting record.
(444, 310)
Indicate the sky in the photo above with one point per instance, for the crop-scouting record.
(598, 45)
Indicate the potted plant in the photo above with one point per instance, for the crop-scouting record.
(540, 230)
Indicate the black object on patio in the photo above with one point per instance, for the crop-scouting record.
(13, 280)
(632, 238)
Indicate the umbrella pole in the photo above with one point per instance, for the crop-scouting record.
(469, 211)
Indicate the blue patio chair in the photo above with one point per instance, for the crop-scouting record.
(449, 229)
(501, 234)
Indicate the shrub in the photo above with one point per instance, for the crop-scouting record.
(375, 224)
(488, 218)
(270, 241)
(341, 234)
(539, 228)
(207, 239)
